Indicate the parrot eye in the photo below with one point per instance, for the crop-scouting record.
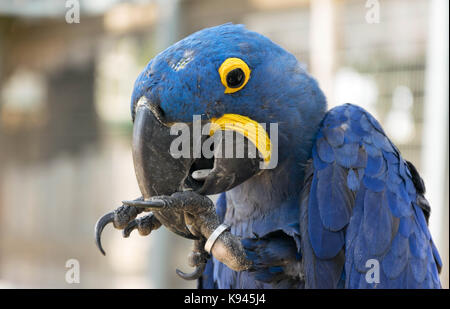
(234, 74)
(235, 78)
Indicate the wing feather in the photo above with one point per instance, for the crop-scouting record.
(364, 201)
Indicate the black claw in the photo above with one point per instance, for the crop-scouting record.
(130, 227)
(154, 204)
(99, 226)
(193, 275)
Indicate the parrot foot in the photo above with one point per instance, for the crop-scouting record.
(123, 218)
(201, 219)
(190, 212)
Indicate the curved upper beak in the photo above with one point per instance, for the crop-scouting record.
(158, 172)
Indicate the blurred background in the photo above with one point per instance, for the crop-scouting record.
(65, 128)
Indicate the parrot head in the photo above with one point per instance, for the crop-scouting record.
(230, 78)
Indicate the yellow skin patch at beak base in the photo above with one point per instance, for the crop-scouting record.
(248, 128)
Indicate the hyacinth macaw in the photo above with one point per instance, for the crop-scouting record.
(341, 209)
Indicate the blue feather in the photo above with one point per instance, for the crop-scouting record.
(374, 165)
(390, 157)
(334, 203)
(374, 184)
(377, 217)
(326, 244)
(347, 155)
(361, 162)
(405, 227)
(325, 151)
(372, 150)
(335, 137)
(318, 163)
(352, 180)
(396, 259)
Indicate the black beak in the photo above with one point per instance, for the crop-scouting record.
(159, 173)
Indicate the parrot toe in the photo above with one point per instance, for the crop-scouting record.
(120, 219)
(145, 225)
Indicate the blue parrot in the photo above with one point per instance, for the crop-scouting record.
(341, 209)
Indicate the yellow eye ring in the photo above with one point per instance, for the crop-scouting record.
(234, 74)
